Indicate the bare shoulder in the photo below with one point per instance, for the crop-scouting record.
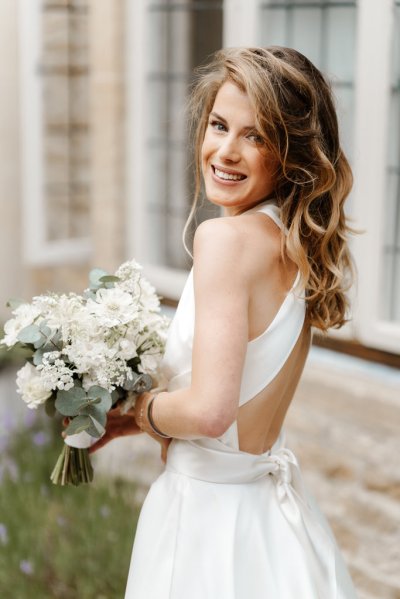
(220, 246)
(219, 234)
(246, 243)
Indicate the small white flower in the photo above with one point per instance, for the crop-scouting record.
(54, 373)
(30, 386)
(148, 296)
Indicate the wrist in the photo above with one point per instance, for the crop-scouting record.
(150, 418)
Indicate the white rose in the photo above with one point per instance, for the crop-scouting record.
(30, 386)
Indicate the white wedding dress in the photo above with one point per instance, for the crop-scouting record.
(220, 523)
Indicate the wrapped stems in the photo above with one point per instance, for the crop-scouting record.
(73, 467)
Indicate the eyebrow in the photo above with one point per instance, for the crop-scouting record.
(225, 122)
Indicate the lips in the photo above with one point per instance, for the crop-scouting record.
(223, 174)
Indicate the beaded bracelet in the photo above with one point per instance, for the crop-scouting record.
(151, 421)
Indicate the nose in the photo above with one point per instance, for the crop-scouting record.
(229, 150)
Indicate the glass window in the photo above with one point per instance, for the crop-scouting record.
(324, 31)
(176, 44)
(391, 249)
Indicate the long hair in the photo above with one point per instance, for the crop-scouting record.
(296, 116)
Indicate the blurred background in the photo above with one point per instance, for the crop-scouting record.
(95, 168)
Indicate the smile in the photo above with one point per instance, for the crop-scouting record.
(226, 176)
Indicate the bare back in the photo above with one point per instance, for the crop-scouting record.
(260, 419)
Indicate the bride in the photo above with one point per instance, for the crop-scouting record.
(230, 516)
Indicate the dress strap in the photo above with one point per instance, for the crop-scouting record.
(271, 209)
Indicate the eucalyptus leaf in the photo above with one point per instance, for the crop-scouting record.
(38, 356)
(99, 415)
(69, 403)
(97, 392)
(129, 384)
(40, 342)
(95, 429)
(95, 275)
(46, 330)
(56, 339)
(109, 279)
(79, 424)
(14, 302)
(29, 334)
(89, 294)
(143, 383)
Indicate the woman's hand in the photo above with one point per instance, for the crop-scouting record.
(118, 425)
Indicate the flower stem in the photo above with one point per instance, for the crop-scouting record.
(73, 467)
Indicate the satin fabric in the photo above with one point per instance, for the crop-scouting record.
(220, 523)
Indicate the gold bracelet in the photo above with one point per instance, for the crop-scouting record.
(151, 421)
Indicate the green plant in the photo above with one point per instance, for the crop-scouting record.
(60, 542)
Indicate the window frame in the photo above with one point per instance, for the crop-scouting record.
(37, 250)
(372, 97)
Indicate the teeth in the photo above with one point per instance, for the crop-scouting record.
(228, 176)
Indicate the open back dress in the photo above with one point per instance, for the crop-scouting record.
(221, 523)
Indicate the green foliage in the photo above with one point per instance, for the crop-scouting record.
(70, 402)
(15, 302)
(61, 542)
(109, 279)
(88, 409)
(30, 334)
(16, 355)
(95, 276)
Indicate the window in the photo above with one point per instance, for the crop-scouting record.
(324, 31)
(391, 248)
(54, 129)
(171, 42)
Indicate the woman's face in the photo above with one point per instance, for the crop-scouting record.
(236, 169)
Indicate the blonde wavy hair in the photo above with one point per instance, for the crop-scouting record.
(296, 117)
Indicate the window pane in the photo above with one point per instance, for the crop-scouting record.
(340, 25)
(325, 32)
(176, 43)
(306, 26)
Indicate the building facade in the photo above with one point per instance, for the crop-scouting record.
(97, 163)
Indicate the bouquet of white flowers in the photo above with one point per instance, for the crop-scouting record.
(86, 353)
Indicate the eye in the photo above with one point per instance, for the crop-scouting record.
(217, 125)
(255, 137)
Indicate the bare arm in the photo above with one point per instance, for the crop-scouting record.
(221, 287)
